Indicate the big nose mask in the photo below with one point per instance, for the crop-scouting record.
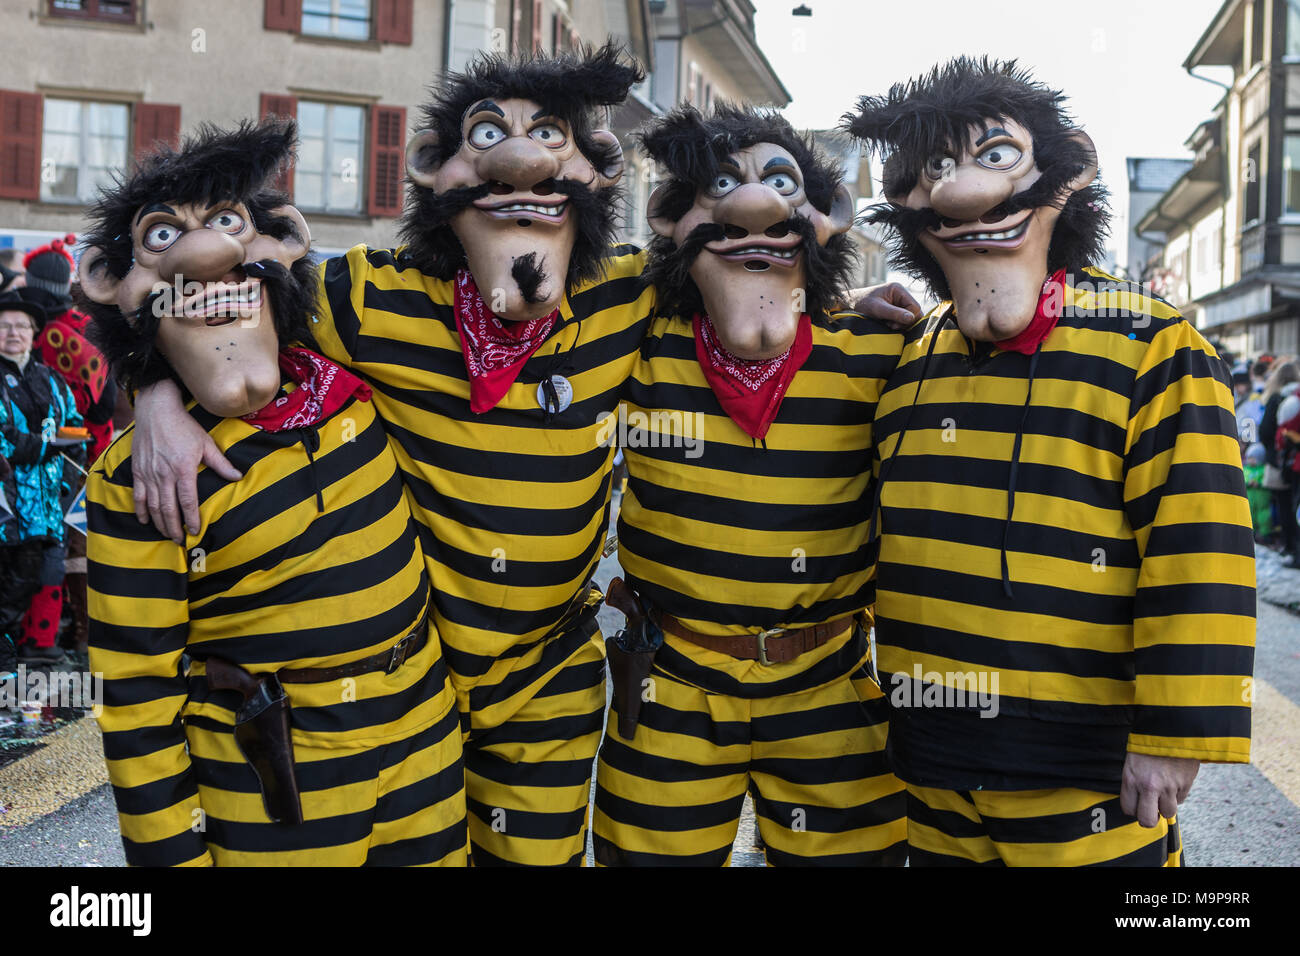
(494, 247)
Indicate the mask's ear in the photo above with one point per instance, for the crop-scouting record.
(842, 211)
(613, 172)
(892, 180)
(662, 225)
(421, 162)
(96, 279)
(296, 244)
(838, 221)
(1089, 172)
(287, 250)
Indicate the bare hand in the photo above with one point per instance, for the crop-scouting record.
(166, 452)
(1153, 787)
(888, 302)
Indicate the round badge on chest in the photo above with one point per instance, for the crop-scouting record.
(563, 394)
(13, 382)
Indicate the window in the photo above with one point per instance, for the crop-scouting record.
(1291, 173)
(1257, 32)
(113, 11)
(1293, 28)
(84, 143)
(344, 19)
(328, 176)
(1252, 175)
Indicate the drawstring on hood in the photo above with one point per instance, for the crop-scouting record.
(311, 444)
(886, 467)
(1013, 472)
(1015, 467)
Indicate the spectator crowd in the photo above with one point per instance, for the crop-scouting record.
(1268, 419)
(57, 411)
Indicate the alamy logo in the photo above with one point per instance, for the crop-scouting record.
(75, 908)
(656, 429)
(965, 690)
(76, 689)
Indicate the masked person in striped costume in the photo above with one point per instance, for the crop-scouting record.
(495, 341)
(1065, 597)
(274, 693)
(744, 528)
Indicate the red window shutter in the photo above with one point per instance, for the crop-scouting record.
(155, 122)
(286, 107)
(284, 15)
(22, 118)
(387, 160)
(393, 21)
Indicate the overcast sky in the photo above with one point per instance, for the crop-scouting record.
(1118, 61)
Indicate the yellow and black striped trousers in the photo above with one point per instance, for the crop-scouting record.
(823, 791)
(530, 741)
(397, 803)
(1057, 827)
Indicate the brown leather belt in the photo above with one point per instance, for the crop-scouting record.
(772, 646)
(386, 661)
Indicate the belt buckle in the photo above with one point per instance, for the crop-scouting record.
(762, 636)
(398, 655)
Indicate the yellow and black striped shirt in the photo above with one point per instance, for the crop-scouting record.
(1126, 618)
(274, 579)
(513, 509)
(733, 536)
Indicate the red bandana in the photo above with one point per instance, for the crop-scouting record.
(323, 388)
(1045, 317)
(750, 391)
(495, 351)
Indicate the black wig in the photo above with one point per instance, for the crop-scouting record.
(932, 114)
(690, 147)
(211, 166)
(573, 86)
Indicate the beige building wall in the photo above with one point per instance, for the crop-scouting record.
(694, 49)
(215, 59)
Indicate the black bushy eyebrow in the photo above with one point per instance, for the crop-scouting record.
(154, 207)
(778, 161)
(544, 112)
(487, 106)
(988, 134)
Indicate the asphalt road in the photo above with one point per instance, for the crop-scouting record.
(57, 810)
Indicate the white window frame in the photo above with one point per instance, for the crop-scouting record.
(86, 193)
(327, 160)
(334, 18)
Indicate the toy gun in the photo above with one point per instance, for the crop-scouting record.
(631, 654)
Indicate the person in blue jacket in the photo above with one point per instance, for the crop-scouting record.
(34, 404)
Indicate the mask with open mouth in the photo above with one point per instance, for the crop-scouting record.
(990, 188)
(196, 269)
(750, 226)
(512, 179)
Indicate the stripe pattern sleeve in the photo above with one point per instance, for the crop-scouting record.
(139, 623)
(1194, 608)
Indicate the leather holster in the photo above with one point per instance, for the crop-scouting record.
(631, 654)
(262, 735)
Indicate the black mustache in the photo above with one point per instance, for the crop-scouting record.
(1051, 189)
(706, 232)
(443, 206)
(273, 274)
